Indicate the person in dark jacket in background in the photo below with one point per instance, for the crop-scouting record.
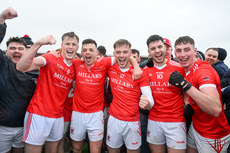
(220, 67)
(15, 92)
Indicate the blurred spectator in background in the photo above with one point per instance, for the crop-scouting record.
(211, 55)
(200, 55)
(28, 40)
(102, 51)
(136, 55)
(220, 67)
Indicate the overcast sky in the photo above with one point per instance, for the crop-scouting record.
(206, 21)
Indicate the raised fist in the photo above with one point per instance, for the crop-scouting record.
(8, 13)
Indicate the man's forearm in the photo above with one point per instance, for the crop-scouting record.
(27, 59)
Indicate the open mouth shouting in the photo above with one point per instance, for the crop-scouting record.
(88, 59)
(70, 53)
(16, 57)
(122, 63)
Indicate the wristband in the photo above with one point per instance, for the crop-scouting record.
(188, 86)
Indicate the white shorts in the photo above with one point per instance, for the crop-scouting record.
(206, 145)
(93, 123)
(10, 137)
(39, 129)
(173, 134)
(119, 131)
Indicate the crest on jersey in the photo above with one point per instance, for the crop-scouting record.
(122, 76)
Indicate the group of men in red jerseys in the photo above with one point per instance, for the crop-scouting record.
(162, 88)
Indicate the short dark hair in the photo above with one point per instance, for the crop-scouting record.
(213, 48)
(101, 50)
(184, 40)
(154, 38)
(16, 40)
(89, 41)
(71, 35)
(121, 42)
(134, 51)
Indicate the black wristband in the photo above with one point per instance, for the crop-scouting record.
(189, 85)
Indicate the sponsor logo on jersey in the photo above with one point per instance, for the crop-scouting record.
(122, 83)
(62, 78)
(114, 72)
(160, 84)
(60, 66)
(86, 75)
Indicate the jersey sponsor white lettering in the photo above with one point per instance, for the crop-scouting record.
(62, 78)
(122, 83)
(86, 75)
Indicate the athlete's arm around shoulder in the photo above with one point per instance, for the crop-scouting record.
(28, 62)
(207, 97)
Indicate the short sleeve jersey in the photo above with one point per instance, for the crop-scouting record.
(201, 75)
(54, 82)
(89, 86)
(168, 106)
(126, 93)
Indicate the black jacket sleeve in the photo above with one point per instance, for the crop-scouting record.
(226, 79)
(2, 31)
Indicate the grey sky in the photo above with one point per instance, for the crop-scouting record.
(207, 21)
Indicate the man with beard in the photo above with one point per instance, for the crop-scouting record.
(166, 124)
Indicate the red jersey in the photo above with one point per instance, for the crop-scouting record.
(68, 106)
(89, 86)
(54, 82)
(168, 100)
(202, 74)
(126, 93)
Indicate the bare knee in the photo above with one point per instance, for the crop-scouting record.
(77, 146)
